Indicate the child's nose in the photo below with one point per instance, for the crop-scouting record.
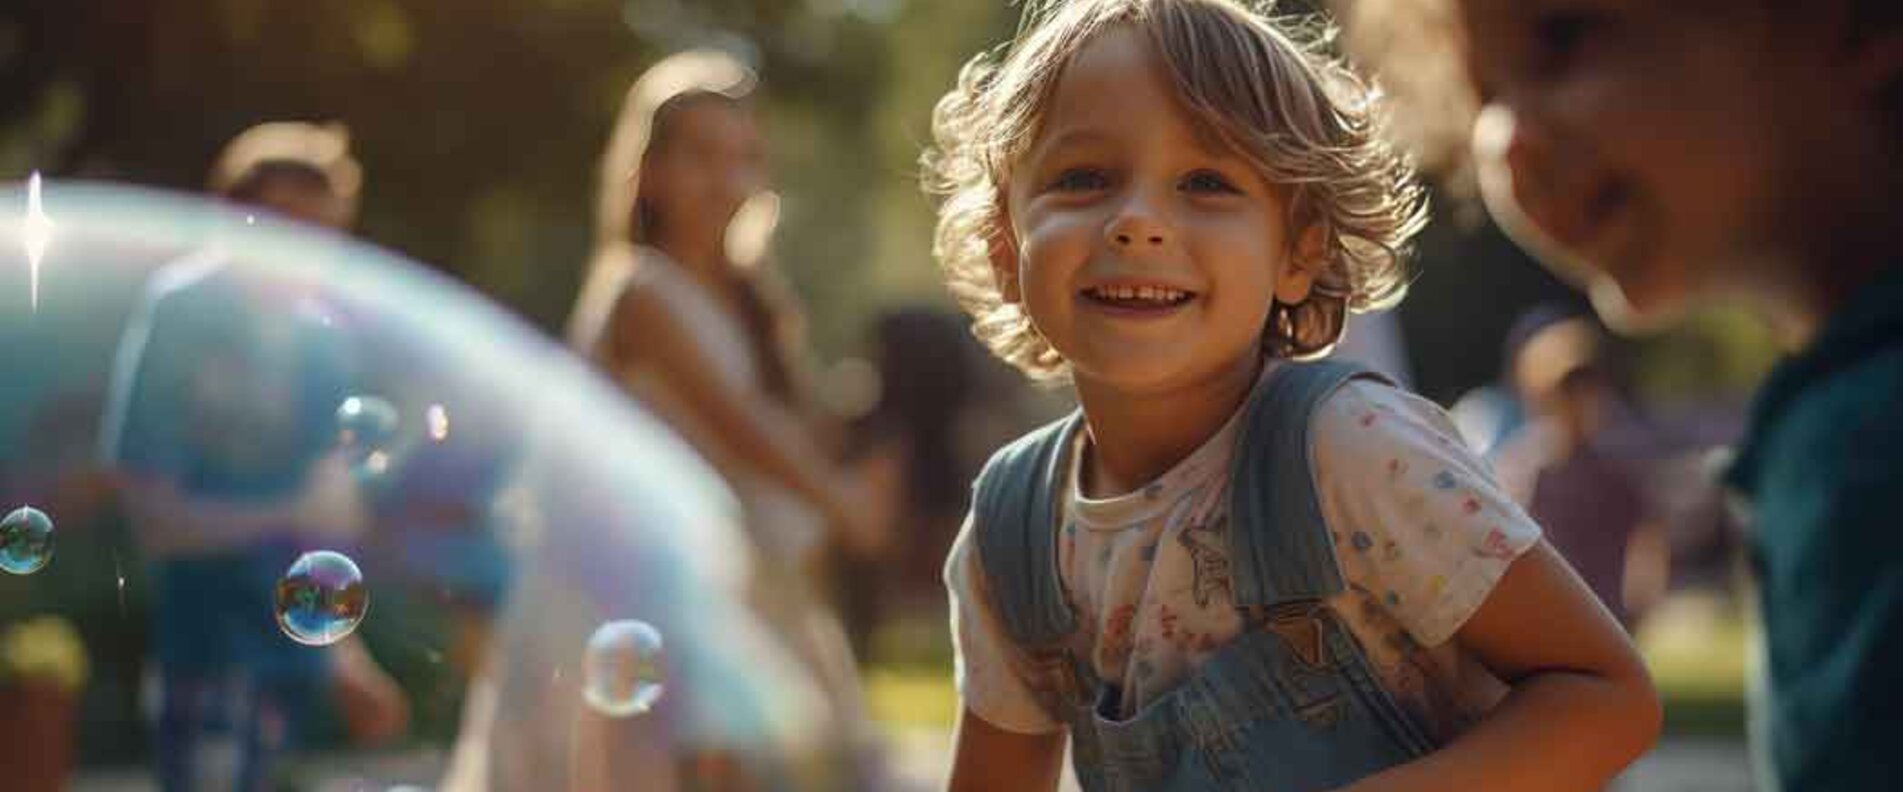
(1136, 226)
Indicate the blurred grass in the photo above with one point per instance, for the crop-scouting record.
(1694, 645)
(912, 697)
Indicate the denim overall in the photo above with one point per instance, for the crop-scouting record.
(1291, 705)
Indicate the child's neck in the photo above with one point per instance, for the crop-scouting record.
(1137, 437)
(1821, 287)
(1856, 242)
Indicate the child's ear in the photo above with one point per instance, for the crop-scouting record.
(1306, 259)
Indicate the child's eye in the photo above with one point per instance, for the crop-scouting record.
(1208, 182)
(1080, 180)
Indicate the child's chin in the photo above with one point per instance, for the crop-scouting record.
(1636, 309)
(1632, 293)
(1138, 374)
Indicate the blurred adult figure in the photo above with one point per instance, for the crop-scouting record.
(679, 306)
(1578, 463)
(918, 440)
(220, 425)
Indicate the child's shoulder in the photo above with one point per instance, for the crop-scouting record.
(1839, 424)
(1029, 455)
(1376, 407)
(1372, 422)
(1828, 412)
(1016, 488)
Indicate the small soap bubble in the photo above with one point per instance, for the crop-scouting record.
(622, 670)
(366, 428)
(321, 598)
(26, 541)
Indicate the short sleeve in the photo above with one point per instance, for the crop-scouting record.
(1419, 522)
(989, 669)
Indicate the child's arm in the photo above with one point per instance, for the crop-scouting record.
(988, 758)
(1015, 744)
(1582, 705)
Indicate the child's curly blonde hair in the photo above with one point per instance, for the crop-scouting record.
(1299, 115)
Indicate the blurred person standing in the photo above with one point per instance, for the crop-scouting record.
(917, 441)
(1573, 464)
(220, 427)
(679, 308)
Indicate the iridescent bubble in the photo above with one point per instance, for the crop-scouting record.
(26, 541)
(321, 598)
(622, 669)
(366, 428)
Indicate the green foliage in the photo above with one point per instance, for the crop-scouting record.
(43, 650)
(478, 122)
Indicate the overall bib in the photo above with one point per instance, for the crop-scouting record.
(1291, 705)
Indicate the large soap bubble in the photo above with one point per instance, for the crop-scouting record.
(203, 400)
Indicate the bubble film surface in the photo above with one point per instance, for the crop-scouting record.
(247, 430)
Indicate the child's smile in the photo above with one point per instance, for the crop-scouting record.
(1139, 297)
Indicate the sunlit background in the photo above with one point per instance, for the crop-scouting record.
(479, 125)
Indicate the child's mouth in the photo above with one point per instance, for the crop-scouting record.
(1140, 299)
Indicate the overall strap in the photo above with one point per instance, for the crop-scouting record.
(1014, 511)
(1279, 544)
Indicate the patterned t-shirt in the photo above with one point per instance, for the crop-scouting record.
(1421, 531)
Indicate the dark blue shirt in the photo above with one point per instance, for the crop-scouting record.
(227, 388)
(1823, 468)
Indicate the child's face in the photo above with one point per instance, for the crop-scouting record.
(1670, 149)
(1146, 255)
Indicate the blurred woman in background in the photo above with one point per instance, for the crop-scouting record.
(677, 307)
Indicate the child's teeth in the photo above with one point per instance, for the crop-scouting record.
(1155, 294)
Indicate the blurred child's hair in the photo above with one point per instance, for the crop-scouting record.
(1415, 48)
(317, 155)
(1296, 113)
